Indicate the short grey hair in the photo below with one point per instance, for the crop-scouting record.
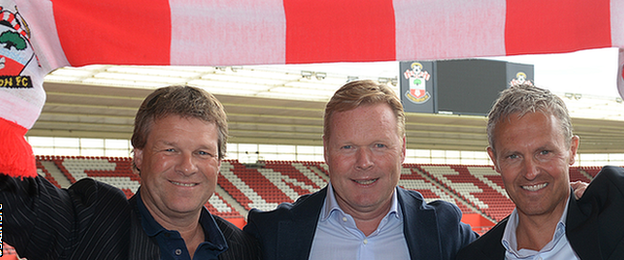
(526, 98)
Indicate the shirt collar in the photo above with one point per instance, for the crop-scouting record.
(212, 232)
(509, 236)
(331, 205)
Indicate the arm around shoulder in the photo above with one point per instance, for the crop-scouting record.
(28, 206)
(41, 220)
(614, 174)
(609, 182)
(451, 215)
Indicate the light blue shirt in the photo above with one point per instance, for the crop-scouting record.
(337, 236)
(557, 249)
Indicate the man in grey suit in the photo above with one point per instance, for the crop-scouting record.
(179, 140)
(362, 213)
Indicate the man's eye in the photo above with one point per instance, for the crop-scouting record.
(204, 153)
(545, 152)
(346, 147)
(513, 156)
(380, 145)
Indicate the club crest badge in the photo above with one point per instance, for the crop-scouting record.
(16, 51)
(417, 78)
(521, 78)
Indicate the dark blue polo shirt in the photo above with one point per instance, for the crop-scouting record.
(172, 246)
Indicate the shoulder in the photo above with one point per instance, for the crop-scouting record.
(609, 183)
(596, 218)
(231, 232)
(439, 221)
(88, 192)
(611, 174)
(72, 220)
(83, 193)
(487, 246)
(442, 214)
(415, 201)
(411, 194)
(227, 228)
(241, 245)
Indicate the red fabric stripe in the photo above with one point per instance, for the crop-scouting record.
(114, 31)
(345, 30)
(537, 26)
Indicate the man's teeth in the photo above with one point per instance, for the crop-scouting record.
(184, 184)
(534, 187)
(366, 182)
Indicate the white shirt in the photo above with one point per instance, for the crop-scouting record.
(557, 249)
(337, 236)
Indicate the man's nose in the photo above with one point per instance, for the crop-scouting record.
(364, 159)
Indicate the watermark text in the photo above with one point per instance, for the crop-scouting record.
(1, 247)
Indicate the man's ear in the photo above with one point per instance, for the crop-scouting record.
(574, 144)
(404, 149)
(138, 159)
(492, 155)
(325, 155)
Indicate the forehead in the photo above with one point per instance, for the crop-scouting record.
(364, 119)
(527, 120)
(174, 126)
(528, 128)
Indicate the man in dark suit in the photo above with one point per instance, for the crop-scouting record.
(362, 214)
(179, 140)
(532, 146)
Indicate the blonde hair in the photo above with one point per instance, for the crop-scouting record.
(363, 92)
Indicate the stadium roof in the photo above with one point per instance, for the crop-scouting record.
(279, 105)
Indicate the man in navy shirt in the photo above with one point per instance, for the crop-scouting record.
(179, 140)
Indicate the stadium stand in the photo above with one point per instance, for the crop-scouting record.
(577, 174)
(218, 206)
(44, 172)
(477, 190)
(590, 170)
(479, 186)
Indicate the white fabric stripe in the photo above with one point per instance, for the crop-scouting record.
(620, 74)
(617, 23)
(449, 29)
(617, 40)
(44, 37)
(22, 106)
(227, 32)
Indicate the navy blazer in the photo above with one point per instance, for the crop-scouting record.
(594, 225)
(90, 220)
(432, 231)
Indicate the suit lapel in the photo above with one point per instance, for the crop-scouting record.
(295, 235)
(417, 222)
(582, 229)
(141, 245)
(495, 237)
